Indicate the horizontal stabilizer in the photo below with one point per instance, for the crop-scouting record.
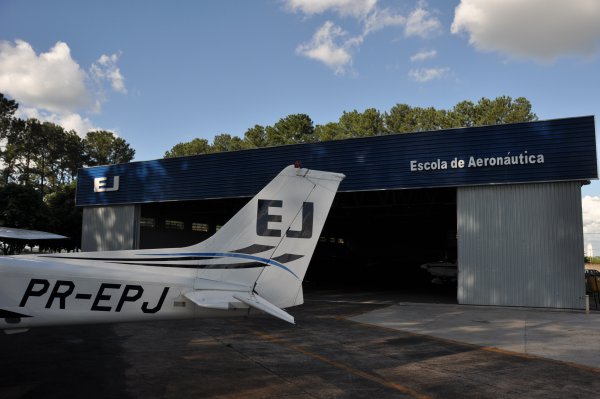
(227, 300)
(255, 301)
(215, 299)
(15, 330)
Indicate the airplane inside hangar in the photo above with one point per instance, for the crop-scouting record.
(502, 202)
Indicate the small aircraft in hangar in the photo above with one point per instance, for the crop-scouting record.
(257, 260)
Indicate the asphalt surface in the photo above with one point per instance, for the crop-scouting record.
(325, 355)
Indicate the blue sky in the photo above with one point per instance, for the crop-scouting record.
(162, 72)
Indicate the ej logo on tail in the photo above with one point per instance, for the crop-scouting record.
(264, 217)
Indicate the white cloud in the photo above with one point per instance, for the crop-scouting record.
(76, 122)
(354, 8)
(539, 29)
(69, 121)
(423, 75)
(591, 221)
(53, 87)
(324, 47)
(52, 80)
(591, 214)
(421, 23)
(380, 19)
(334, 46)
(423, 55)
(105, 68)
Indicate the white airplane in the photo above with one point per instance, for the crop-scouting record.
(256, 261)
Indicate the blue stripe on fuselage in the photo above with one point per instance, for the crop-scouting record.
(227, 255)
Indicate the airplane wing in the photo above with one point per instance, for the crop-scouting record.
(22, 234)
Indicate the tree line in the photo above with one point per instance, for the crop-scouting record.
(401, 118)
(38, 166)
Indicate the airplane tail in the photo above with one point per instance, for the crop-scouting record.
(276, 231)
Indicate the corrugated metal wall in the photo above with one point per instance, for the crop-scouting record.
(521, 245)
(384, 162)
(110, 228)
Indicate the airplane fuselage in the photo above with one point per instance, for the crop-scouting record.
(43, 294)
(257, 260)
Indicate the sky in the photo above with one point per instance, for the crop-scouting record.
(158, 73)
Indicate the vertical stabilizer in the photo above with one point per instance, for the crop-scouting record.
(299, 240)
(278, 229)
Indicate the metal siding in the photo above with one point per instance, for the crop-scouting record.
(521, 245)
(110, 228)
(371, 163)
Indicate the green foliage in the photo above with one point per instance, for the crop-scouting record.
(194, 147)
(38, 166)
(40, 154)
(500, 110)
(64, 217)
(256, 137)
(329, 131)
(401, 118)
(356, 124)
(22, 207)
(7, 112)
(104, 148)
(224, 142)
(293, 129)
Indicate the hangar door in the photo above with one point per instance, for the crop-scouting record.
(521, 245)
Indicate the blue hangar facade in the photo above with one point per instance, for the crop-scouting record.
(502, 201)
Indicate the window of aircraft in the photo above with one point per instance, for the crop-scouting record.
(147, 222)
(200, 227)
(218, 227)
(174, 224)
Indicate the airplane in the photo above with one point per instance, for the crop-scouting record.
(442, 271)
(257, 260)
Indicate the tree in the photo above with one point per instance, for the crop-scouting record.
(72, 158)
(357, 124)
(41, 154)
(194, 147)
(403, 118)
(329, 131)
(225, 142)
(104, 148)
(7, 113)
(22, 207)
(500, 110)
(38, 165)
(400, 119)
(255, 137)
(293, 129)
(64, 216)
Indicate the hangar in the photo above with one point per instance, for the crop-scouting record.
(503, 201)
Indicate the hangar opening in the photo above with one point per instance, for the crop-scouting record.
(371, 240)
(379, 239)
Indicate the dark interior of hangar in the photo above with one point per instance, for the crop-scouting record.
(371, 239)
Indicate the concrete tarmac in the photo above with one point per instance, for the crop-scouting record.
(569, 336)
(325, 355)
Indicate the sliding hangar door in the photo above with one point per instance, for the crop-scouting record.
(503, 202)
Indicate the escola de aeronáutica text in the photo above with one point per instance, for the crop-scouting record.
(478, 162)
